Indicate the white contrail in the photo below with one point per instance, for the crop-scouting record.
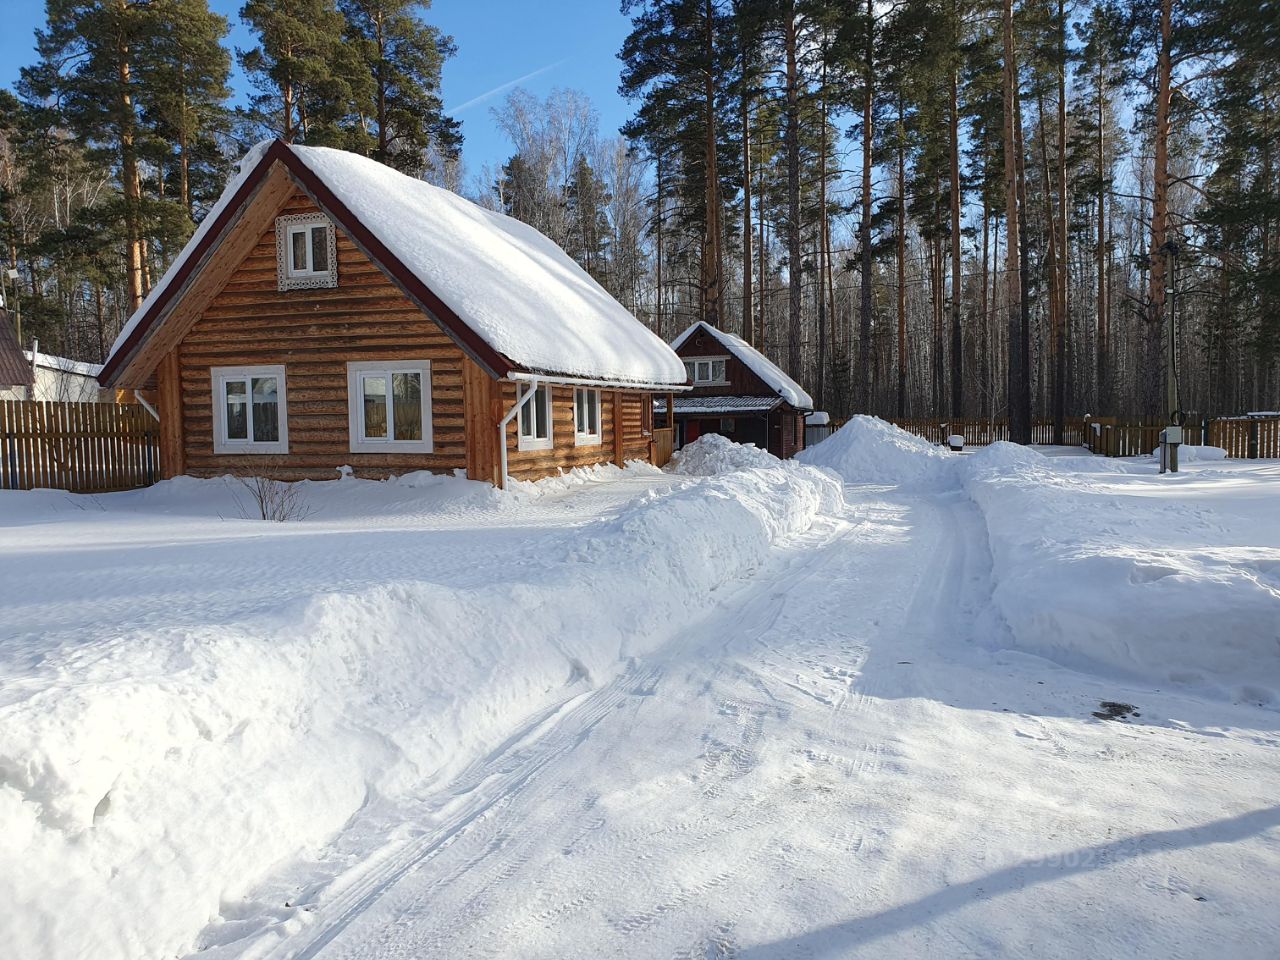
(502, 88)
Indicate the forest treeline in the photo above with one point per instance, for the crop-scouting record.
(978, 208)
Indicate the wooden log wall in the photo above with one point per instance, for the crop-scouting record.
(314, 333)
(616, 407)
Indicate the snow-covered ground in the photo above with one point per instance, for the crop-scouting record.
(728, 710)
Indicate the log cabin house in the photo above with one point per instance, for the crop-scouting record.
(332, 311)
(737, 392)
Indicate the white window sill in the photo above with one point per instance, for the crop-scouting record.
(391, 446)
(587, 440)
(235, 448)
(533, 445)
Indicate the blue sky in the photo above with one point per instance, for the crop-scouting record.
(536, 44)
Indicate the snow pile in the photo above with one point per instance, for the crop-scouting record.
(1188, 452)
(756, 362)
(871, 450)
(1095, 577)
(150, 773)
(713, 454)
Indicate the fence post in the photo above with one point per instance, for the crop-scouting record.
(1253, 439)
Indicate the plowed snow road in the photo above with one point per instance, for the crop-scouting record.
(839, 761)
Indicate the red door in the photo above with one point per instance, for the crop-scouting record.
(692, 430)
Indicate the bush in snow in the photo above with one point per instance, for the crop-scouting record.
(275, 500)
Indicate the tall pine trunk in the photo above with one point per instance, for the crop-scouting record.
(1159, 215)
(1019, 383)
(901, 230)
(791, 142)
(1064, 312)
(748, 304)
(130, 180)
(957, 279)
(864, 226)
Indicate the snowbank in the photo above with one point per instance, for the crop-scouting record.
(1094, 574)
(1188, 452)
(151, 775)
(713, 454)
(871, 450)
(1098, 579)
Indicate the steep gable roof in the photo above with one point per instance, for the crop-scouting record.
(756, 362)
(509, 296)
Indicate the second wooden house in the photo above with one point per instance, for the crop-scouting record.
(737, 392)
(332, 311)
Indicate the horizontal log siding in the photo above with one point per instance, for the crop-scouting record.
(314, 333)
(565, 454)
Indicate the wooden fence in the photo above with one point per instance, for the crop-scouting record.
(1247, 437)
(81, 447)
(979, 433)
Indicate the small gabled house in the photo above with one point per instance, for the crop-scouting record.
(737, 392)
(59, 379)
(332, 311)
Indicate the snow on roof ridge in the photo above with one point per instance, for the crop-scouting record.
(757, 362)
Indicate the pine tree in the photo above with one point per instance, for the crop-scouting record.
(403, 56)
(677, 62)
(311, 85)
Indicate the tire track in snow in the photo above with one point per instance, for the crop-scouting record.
(479, 796)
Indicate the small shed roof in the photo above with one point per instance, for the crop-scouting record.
(15, 369)
(756, 362)
(64, 364)
(509, 295)
(718, 406)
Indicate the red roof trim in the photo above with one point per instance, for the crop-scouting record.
(466, 338)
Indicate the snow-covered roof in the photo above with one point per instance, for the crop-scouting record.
(819, 418)
(65, 364)
(515, 290)
(757, 362)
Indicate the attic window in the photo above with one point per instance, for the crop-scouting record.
(306, 252)
(706, 370)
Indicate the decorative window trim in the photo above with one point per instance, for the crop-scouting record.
(587, 438)
(308, 281)
(528, 442)
(710, 381)
(219, 377)
(355, 407)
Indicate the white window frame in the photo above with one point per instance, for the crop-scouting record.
(709, 380)
(291, 279)
(356, 369)
(220, 377)
(529, 441)
(587, 438)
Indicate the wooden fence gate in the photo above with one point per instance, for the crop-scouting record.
(81, 447)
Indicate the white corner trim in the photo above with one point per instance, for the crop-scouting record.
(355, 407)
(218, 377)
